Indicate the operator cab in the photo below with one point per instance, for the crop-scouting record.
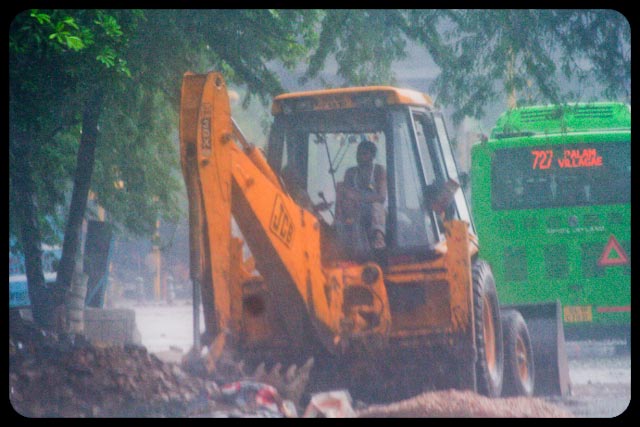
(315, 136)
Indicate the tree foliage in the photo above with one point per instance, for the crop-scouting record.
(140, 57)
(485, 55)
(61, 64)
(342, 34)
(59, 59)
(56, 57)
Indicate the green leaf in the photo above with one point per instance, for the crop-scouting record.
(123, 68)
(75, 43)
(69, 21)
(107, 60)
(40, 17)
(274, 13)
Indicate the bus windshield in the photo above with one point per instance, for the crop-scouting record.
(561, 175)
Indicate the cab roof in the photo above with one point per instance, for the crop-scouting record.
(339, 98)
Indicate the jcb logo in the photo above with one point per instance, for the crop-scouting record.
(281, 224)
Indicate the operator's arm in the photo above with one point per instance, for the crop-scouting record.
(380, 183)
(346, 201)
(379, 195)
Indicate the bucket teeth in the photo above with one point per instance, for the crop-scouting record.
(241, 366)
(291, 385)
(219, 364)
(275, 373)
(260, 371)
(291, 373)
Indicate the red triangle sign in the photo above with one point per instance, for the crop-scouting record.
(613, 244)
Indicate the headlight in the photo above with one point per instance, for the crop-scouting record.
(370, 274)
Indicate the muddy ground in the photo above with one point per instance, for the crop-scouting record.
(600, 373)
(55, 378)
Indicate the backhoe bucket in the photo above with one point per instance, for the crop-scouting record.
(546, 330)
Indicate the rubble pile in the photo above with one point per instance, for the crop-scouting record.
(51, 376)
(54, 378)
(67, 376)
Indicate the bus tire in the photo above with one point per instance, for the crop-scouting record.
(488, 329)
(519, 370)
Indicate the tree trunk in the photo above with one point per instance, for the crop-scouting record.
(27, 219)
(81, 185)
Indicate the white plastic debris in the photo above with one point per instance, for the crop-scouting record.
(254, 397)
(331, 404)
(288, 409)
(250, 393)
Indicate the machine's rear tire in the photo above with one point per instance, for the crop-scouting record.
(519, 373)
(490, 363)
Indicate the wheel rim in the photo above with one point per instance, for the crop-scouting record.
(489, 335)
(522, 360)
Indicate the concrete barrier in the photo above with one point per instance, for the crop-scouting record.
(111, 326)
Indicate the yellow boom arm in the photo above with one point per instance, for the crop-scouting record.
(225, 178)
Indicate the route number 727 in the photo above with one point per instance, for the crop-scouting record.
(542, 159)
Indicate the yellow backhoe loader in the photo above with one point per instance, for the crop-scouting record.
(418, 312)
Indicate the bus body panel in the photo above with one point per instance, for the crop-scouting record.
(571, 249)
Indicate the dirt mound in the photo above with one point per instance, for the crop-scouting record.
(59, 377)
(51, 377)
(460, 404)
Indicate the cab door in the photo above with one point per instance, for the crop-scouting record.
(416, 168)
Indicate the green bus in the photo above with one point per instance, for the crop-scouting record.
(551, 191)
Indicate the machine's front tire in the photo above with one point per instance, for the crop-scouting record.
(519, 373)
(488, 339)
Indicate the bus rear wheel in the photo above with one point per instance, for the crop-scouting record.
(519, 371)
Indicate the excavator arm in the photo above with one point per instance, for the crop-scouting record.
(201, 161)
(228, 178)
